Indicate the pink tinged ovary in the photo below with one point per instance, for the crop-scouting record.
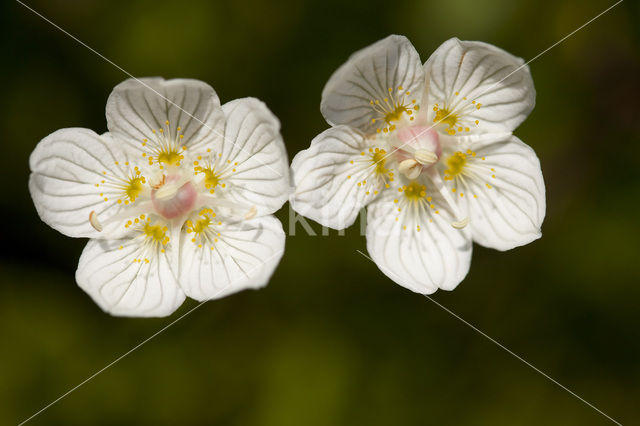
(174, 197)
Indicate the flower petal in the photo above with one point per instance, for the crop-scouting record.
(504, 195)
(417, 247)
(230, 257)
(252, 160)
(413, 242)
(122, 287)
(471, 80)
(139, 107)
(387, 69)
(67, 183)
(337, 176)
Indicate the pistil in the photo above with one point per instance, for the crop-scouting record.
(175, 197)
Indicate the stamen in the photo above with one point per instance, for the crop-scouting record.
(152, 238)
(230, 209)
(454, 114)
(392, 109)
(425, 157)
(165, 146)
(410, 168)
(251, 213)
(459, 224)
(125, 187)
(93, 220)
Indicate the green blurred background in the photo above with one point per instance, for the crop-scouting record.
(332, 341)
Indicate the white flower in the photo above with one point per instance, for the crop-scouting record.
(177, 197)
(429, 148)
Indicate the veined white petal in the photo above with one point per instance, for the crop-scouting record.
(157, 112)
(383, 80)
(123, 283)
(474, 87)
(411, 238)
(219, 258)
(339, 174)
(250, 166)
(76, 172)
(498, 182)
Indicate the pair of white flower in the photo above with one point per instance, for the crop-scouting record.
(178, 196)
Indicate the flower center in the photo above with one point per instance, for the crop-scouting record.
(165, 146)
(392, 108)
(211, 179)
(379, 159)
(125, 187)
(171, 157)
(414, 191)
(416, 198)
(445, 116)
(396, 114)
(418, 148)
(203, 229)
(134, 188)
(456, 163)
(154, 240)
(202, 224)
(455, 114)
(174, 197)
(155, 233)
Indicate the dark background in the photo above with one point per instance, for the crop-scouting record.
(332, 341)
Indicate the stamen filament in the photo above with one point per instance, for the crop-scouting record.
(461, 221)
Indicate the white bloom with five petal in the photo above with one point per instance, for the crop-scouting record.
(429, 149)
(177, 197)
